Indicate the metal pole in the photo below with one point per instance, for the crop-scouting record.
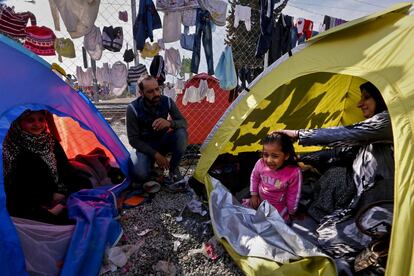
(134, 15)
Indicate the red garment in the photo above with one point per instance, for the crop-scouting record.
(40, 40)
(203, 116)
(307, 29)
(13, 24)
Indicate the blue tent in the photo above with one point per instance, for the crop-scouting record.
(27, 81)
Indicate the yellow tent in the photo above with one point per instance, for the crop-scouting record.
(318, 87)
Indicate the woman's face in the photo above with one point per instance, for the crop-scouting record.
(33, 123)
(367, 104)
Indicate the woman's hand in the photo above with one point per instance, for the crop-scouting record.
(293, 134)
(57, 209)
(255, 201)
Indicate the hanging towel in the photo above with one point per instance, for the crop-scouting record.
(225, 70)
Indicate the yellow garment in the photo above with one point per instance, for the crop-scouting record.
(149, 50)
(65, 48)
(56, 67)
(318, 87)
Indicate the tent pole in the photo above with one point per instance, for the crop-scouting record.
(134, 15)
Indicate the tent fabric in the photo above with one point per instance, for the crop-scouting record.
(239, 225)
(28, 82)
(309, 90)
(95, 230)
(196, 113)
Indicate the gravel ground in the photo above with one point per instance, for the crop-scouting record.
(159, 217)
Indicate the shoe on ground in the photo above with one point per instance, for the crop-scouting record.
(175, 186)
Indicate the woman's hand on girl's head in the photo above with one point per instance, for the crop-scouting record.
(293, 134)
(255, 201)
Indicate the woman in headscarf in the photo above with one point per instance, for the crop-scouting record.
(36, 170)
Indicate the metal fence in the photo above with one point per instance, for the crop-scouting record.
(202, 116)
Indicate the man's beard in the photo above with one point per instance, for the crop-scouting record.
(154, 100)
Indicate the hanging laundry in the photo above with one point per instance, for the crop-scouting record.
(78, 15)
(157, 69)
(40, 40)
(13, 23)
(281, 38)
(172, 61)
(304, 26)
(118, 78)
(135, 72)
(189, 17)
(330, 22)
(203, 31)
(103, 74)
(225, 70)
(146, 21)
(185, 66)
(128, 55)
(161, 43)
(176, 5)
(92, 42)
(198, 94)
(85, 79)
(112, 38)
(245, 76)
(180, 84)
(123, 16)
(266, 27)
(65, 48)
(150, 50)
(169, 91)
(172, 26)
(243, 13)
(217, 9)
(187, 40)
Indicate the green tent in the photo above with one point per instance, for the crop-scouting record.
(319, 87)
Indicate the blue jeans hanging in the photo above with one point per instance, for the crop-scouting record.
(203, 28)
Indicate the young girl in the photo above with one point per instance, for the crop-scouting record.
(276, 177)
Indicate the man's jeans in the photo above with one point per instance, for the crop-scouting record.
(174, 141)
(203, 28)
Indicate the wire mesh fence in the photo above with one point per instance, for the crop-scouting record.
(202, 114)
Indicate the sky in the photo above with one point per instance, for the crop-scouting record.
(108, 15)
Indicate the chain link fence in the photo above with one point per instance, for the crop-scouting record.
(202, 116)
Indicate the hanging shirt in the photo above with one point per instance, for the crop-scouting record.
(77, 15)
(172, 26)
(172, 61)
(118, 78)
(85, 79)
(103, 74)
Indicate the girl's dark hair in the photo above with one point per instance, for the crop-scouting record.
(376, 94)
(285, 143)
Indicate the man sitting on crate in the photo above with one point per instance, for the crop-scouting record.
(156, 127)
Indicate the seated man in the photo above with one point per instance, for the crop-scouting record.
(152, 134)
